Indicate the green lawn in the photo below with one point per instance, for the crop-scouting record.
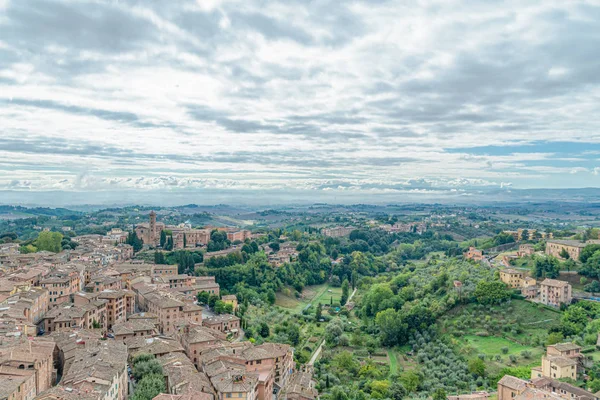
(326, 295)
(393, 362)
(310, 295)
(492, 345)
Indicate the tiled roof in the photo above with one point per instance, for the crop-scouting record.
(512, 382)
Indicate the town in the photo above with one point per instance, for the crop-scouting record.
(415, 304)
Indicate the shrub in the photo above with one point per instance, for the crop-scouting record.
(504, 350)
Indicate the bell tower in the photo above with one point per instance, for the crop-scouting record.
(153, 227)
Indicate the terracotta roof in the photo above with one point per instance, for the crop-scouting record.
(561, 361)
(512, 382)
(566, 346)
(554, 283)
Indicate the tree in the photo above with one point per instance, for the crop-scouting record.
(203, 297)
(223, 308)
(163, 239)
(554, 337)
(274, 246)
(264, 330)
(546, 267)
(345, 290)
(134, 241)
(411, 380)
(293, 333)
(391, 327)
(477, 367)
(49, 241)
(184, 241)
(143, 368)
(588, 251)
(319, 312)
(169, 243)
(333, 331)
(593, 287)
(491, 292)
(149, 387)
(159, 258)
(397, 391)
(573, 321)
(27, 249)
(345, 361)
(439, 394)
(564, 254)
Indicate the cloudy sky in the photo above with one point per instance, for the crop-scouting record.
(320, 96)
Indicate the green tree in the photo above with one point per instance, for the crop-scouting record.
(477, 367)
(491, 292)
(163, 239)
(159, 258)
(345, 290)
(439, 394)
(397, 391)
(554, 337)
(143, 368)
(588, 251)
(149, 387)
(546, 267)
(346, 362)
(274, 246)
(134, 241)
(411, 380)
(28, 249)
(319, 312)
(564, 254)
(203, 297)
(593, 287)
(264, 330)
(49, 241)
(169, 243)
(391, 327)
(293, 333)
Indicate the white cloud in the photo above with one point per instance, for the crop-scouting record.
(251, 95)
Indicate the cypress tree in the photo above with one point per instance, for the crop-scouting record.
(163, 239)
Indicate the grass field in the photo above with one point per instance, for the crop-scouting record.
(492, 345)
(517, 326)
(393, 362)
(310, 295)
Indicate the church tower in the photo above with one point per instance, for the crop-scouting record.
(153, 227)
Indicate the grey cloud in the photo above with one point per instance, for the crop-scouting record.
(81, 25)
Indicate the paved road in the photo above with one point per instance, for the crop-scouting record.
(320, 348)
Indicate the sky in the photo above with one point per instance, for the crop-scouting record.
(320, 97)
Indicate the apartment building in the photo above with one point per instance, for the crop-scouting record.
(560, 361)
(66, 317)
(225, 323)
(36, 356)
(512, 277)
(29, 305)
(61, 286)
(554, 292)
(98, 372)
